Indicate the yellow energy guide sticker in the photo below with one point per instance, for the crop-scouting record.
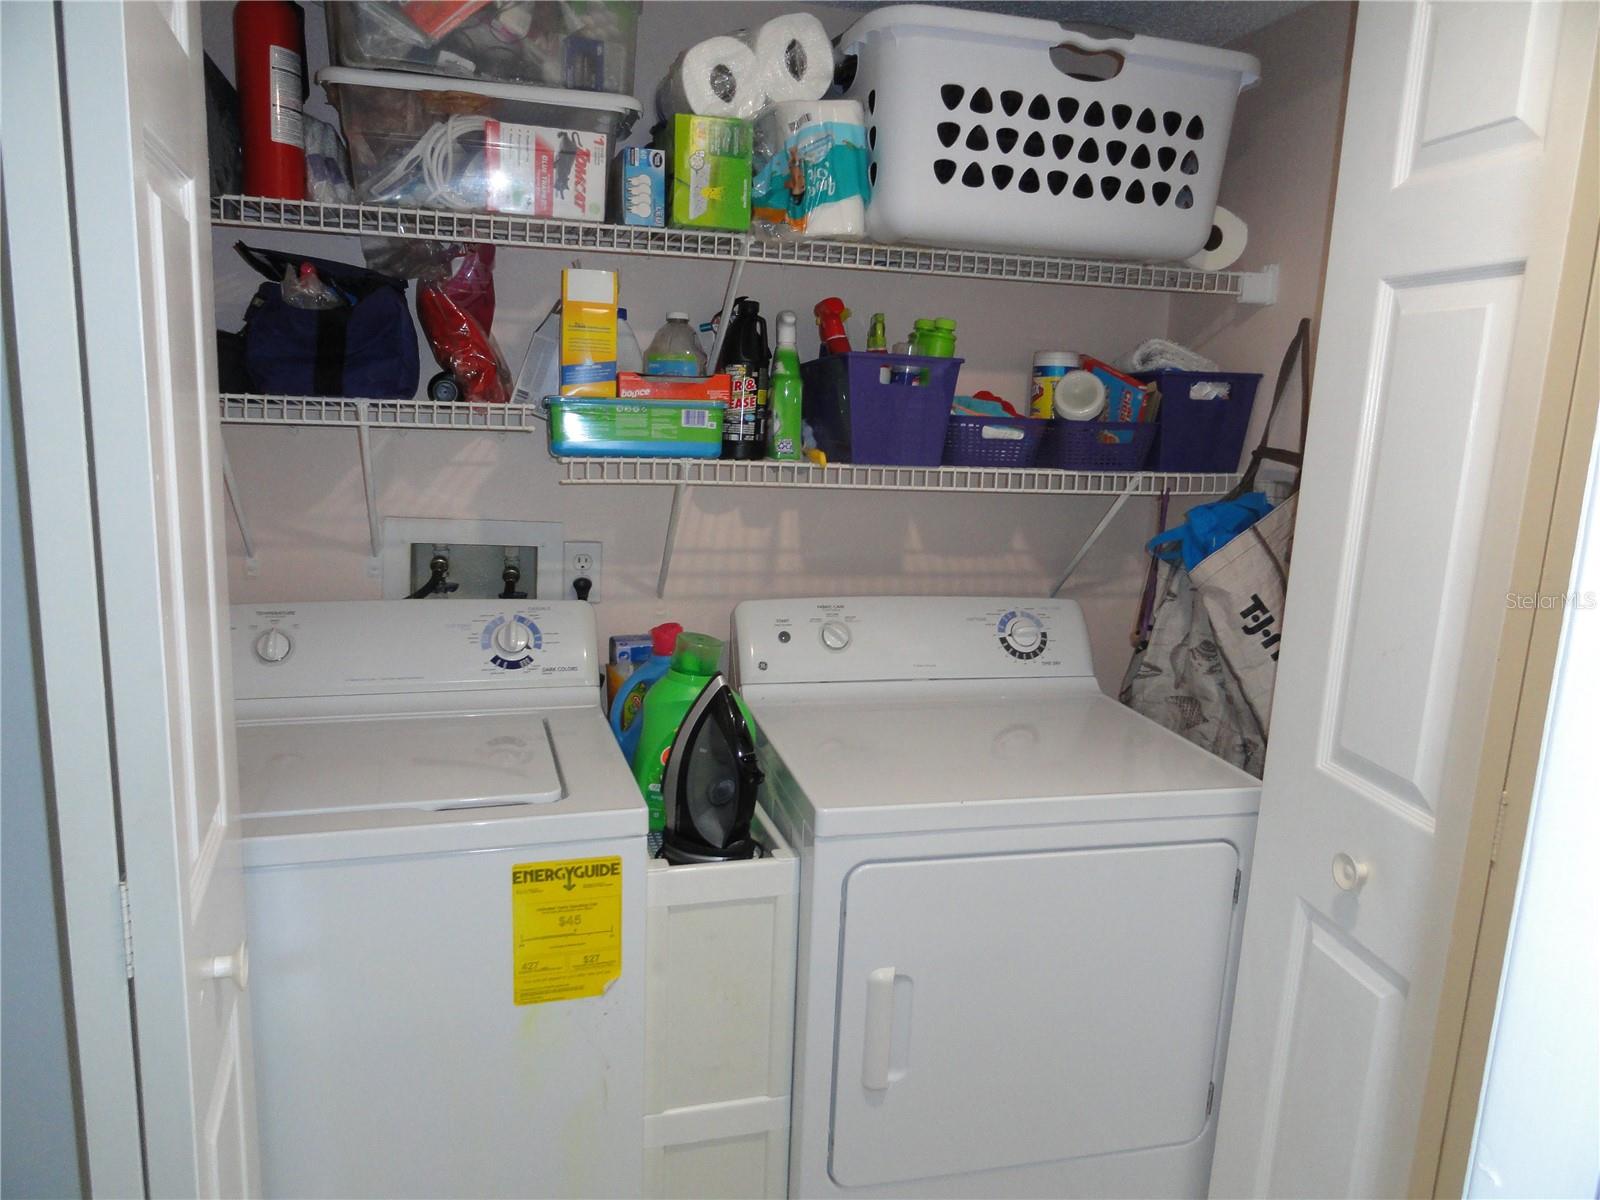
(566, 928)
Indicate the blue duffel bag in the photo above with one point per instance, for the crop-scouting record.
(366, 347)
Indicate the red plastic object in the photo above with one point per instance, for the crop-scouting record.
(453, 313)
(830, 315)
(269, 58)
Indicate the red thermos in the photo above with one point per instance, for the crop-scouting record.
(269, 60)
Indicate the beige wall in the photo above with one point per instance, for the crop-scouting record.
(302, 487)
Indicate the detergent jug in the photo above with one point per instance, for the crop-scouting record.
(627, 707)
(693, 665)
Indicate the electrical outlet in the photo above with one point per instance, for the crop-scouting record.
(581, 561)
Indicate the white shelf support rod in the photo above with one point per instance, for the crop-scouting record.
(734, 275)
(1094, 534)
(1259, 287)
(231, 486)
(679, 492)
(370, 487)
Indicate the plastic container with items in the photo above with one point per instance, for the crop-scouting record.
(980, 441)
(494, 147)
(1016, 132)
(880, 409)
(1096, 445)
(1204, 416)
(581, 44)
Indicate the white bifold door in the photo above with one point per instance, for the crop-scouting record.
(1455, 195)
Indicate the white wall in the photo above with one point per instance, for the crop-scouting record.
(38, 1124)
(303, 487)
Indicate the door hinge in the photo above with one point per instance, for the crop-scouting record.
(127, 927)
(1499, 828)
(1238, 877)
(1211, 1095)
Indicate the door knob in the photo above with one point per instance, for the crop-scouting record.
(235, 966)
(1348, 873)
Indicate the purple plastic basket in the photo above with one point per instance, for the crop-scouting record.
(1078, 445)
(857, 416)
(1196, 430)
(992, 441)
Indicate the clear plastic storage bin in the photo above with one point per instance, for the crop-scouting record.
(427, 142)
(576, 44)
(1017, 133)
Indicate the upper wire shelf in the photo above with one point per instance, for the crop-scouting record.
(385, 220)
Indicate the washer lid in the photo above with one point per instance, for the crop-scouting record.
(432, 763)
(970, 757)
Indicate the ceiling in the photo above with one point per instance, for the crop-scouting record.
(1209, 22)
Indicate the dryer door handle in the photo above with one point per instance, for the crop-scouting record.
(877, 1039)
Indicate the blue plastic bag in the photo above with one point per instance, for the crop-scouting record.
(1208, 528)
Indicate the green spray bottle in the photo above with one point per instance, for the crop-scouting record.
(694, 662)
(783, 395)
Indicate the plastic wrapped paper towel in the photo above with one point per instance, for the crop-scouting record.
(811, 169)
(714, 78)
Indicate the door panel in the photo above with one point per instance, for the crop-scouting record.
(137, 120)
(1456, 188)
(1064, 1003)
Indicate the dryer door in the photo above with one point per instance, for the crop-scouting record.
(996, 1011)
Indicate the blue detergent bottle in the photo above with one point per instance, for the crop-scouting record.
(627, 709)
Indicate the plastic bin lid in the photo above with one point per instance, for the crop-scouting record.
(992, 27)
(406, 81)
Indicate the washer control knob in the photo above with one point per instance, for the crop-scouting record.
(273, 645)
(512, 638)
(835, 635)
(1024, 631)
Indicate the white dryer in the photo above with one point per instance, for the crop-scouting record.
(1020, 904)
(444, 863)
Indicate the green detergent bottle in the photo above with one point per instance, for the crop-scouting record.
(694, 662)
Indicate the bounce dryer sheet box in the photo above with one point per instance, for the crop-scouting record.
(708, 165)
(542, 172)
(639, 187)
(705, 388)
(588, 332)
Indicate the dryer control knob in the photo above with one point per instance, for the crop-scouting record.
(273, 646)
(512, 638)
(835, 635)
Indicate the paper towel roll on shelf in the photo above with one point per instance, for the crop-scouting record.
(718, 77)
(1225, 245)
(828, 141)
(794, 58)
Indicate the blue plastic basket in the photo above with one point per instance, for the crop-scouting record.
(992, 441)
(1203, 419)
(1083, 445)
(858, 416)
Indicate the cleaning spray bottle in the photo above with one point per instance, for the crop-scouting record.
(694, 662)
(783, 424)
(627, 707)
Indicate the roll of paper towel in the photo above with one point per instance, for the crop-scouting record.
(1225, 245)
(794, 58)
(714, 78)
(827, 141)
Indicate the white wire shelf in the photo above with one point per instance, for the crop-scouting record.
(247, 409)
(712, 472)
(257, 212)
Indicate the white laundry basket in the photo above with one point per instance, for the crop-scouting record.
(1018, 133)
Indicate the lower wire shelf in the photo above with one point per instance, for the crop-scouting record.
(713, 472)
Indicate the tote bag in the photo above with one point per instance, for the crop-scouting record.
(1210, 663)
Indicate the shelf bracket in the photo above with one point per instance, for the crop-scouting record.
(734, 275)
(231, 486)
(370, 487)
(1094, 534)
(679, 492)
(1259, 287)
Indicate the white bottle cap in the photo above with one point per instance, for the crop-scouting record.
(786, 323)
(1056, 358)
(1079, 396)
(677, 316)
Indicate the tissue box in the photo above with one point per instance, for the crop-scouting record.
(708, 167)
(639, 187)
(631, 648)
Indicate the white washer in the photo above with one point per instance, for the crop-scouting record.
(398, 762)
(1020, 907)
